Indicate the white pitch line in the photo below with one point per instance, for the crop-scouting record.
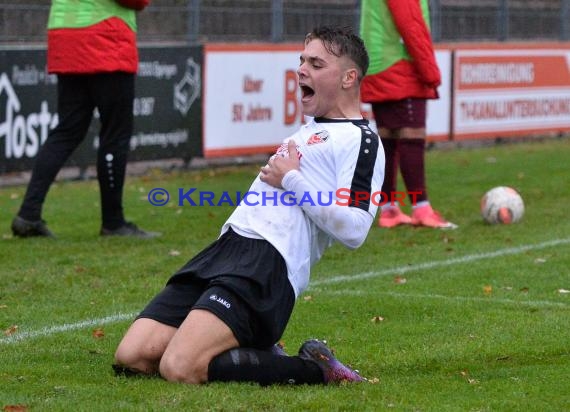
(439, 263)
(47, 331)
(66, 327)
(538, 303)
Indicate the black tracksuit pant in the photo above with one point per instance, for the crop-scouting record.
(78, 95)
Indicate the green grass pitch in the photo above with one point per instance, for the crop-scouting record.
(475, 319)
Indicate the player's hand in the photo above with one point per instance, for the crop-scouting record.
(278, 166)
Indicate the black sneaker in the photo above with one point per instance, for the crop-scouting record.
(129, 229)
(28, 228)
(333, 370)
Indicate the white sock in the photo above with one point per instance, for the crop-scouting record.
(390, 205)
(421, 204)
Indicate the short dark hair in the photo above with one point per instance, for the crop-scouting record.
(341, 41)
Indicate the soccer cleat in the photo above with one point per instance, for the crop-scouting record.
(393, 216)
(278, 349)
(127, 372)
(129, 229)
(333, 370)
(27, 228)
(426, 216)
(124, 371)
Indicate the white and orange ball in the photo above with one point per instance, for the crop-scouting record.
(502, 205)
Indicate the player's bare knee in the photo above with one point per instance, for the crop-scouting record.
(124, 356)
(174, 369)
(135, 360)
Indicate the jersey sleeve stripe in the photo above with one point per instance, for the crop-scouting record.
(361, 186)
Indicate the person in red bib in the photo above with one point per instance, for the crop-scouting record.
(403, 75)
(93, 50)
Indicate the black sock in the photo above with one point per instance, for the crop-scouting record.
(265, 368)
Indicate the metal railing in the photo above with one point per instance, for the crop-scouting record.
(24, 21)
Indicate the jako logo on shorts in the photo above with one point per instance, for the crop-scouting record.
(220, 300)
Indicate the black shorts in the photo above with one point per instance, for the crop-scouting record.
(242, 281)
(401, 113)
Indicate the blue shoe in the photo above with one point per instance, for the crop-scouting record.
(333, 370)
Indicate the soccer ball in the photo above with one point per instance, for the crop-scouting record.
(502, 205)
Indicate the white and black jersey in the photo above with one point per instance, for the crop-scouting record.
(329, 199)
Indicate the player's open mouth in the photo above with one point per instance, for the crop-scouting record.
(306, 92)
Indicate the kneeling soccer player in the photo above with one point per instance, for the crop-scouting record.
(219, 316)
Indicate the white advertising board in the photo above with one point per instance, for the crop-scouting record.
(511, 91)
(251, 98)
(252, 101)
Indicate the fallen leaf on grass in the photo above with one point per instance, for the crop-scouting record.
(465, 374)
(399, 280)
(539, 260)
(524, 290)
(15, 408)
(374, 380)
(14, 196)
(377, 319)
(11, 330)
(3, 306)
(307, 298)
(563, 291)
(487, 289)
(98, 333)
(174, 253)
